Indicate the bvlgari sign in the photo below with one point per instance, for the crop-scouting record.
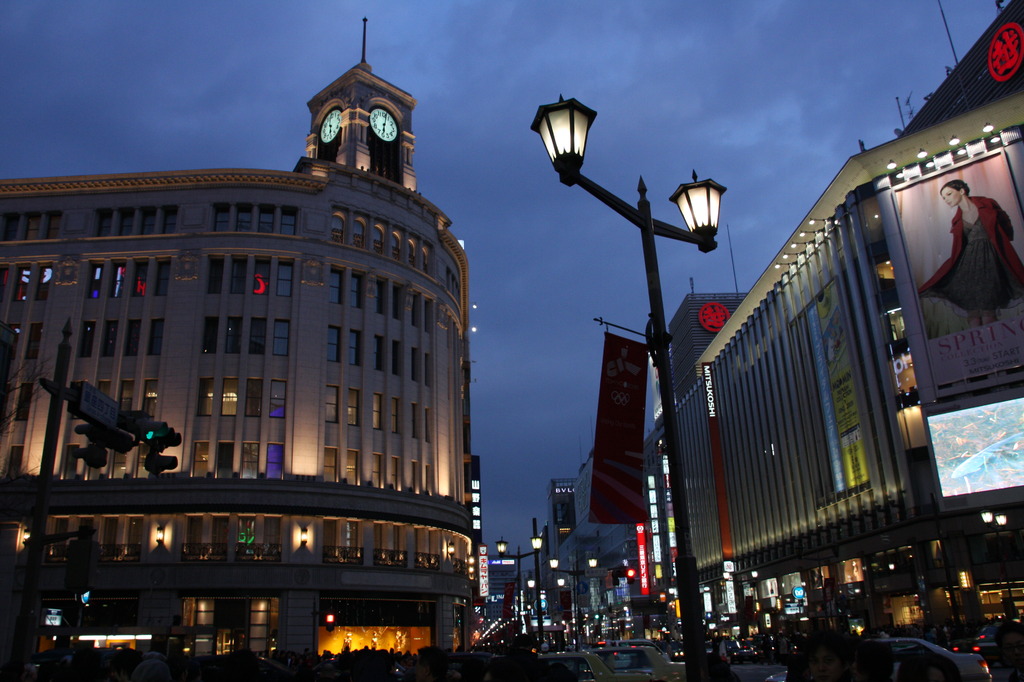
(1004, 52)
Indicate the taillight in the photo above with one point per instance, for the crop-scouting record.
(976, 649)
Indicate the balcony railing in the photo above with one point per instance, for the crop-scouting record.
(129, 552)
(260, 551)
(390, 557)
(56, 553)
(429, 561)
(204, 551)
(343, 554)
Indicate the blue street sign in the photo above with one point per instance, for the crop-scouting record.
(798, 592)
(582, 587)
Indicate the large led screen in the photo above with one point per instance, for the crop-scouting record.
(963, 232)
(979, 448)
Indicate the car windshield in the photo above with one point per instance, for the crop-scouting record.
(577, 666)
(624, 660)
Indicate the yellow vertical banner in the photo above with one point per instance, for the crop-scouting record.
(844, 397)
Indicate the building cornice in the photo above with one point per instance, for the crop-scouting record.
(172, 180)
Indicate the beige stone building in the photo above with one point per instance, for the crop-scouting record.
(305, 332)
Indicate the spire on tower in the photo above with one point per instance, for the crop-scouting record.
(363, 61)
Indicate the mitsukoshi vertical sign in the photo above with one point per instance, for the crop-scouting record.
(717, 461)
(616, 488)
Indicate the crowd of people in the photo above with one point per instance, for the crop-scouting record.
(833, 657)
(823, 656)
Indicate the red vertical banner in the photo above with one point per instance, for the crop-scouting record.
(506, 604)
(641, 553)
(483, 571)
(565, 598)
(616, 490)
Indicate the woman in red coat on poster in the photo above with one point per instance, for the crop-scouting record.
(983, 273)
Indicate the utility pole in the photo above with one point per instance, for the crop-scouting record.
(22, 644)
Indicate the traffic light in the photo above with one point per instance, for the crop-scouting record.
(630, 575)
(81, 561)
(100, 438)
(157, 436)
(329, 622)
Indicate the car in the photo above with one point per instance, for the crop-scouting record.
(740, 651)
(215, 668)
(983, 643)
(643, 659)
(972, 667)
(469, 659)
(660, 646)
(588, 667)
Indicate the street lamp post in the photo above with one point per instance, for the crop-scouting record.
(997, 521)
(536, 541)
(576, 573)
(563, 127)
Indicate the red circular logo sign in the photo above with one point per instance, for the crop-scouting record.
(712, 316)
(1004, 52)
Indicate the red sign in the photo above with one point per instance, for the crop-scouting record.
(712, 316)
(485, 583)
(616, 486)
(641, 552)
(1004, 52)
(509, 598)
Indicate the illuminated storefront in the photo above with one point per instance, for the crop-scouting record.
(868, 393)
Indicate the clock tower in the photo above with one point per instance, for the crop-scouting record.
(363, 122)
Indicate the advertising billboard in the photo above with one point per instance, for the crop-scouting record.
(979, 448)
(834, 373)
(963, 236)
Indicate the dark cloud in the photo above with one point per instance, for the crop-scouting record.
(769, 98)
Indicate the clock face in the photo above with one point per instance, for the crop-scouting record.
(383, 125)
(332, 124)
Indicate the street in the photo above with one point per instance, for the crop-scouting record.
(757, 672)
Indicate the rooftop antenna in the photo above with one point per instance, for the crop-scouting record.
(950, 37)
(364, 40)
(732, 257)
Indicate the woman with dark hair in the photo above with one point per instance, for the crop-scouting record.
(928, 668)
(872, 662)
(983, 273)
(829, 655)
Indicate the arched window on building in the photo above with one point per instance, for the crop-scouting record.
(338, 228)
(358, 227)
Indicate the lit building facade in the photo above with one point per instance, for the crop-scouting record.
(858, 412)
(306, 333)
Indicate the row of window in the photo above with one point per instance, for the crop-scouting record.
(125, 397)
(233, 335)
(253, 405)
(124, 222)
(144, 279)
(224, 460)
(30, 226)
(419, 425)
(261, 529)
(249, 218)
(415, 255)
